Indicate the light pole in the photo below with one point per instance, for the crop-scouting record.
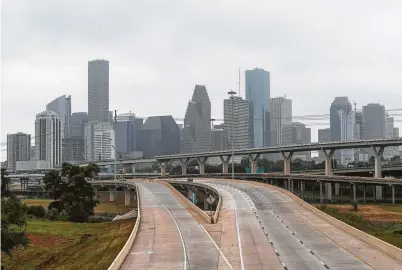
(115, 154)
(231, 93)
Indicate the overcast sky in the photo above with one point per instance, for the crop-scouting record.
(158, 50)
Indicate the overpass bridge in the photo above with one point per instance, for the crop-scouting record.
(258, 226)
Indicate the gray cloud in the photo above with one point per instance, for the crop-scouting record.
(158, 51)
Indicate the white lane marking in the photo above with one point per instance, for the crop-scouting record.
(220, 251)
(177, 226)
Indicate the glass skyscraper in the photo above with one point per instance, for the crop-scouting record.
(258, 95)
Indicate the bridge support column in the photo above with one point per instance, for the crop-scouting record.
(127, 197)
(393, 194)
(254, 162)
(378, 151)
(184, 163)
(328, 153)
(364, 193)
(201, 162)
(321, 195)
(133, 168)
(112, 194)
(302, 189)
(354, 191)
(336, 189)
(225, 163)
(287, 157)
(163, 169)
(328, 191)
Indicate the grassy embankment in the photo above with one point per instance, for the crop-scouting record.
(67, 245)
(381, 221)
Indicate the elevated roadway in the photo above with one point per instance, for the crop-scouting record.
(259, 227)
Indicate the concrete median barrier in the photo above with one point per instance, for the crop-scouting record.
(118, 261)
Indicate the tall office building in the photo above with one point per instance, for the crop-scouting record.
(62, 106)
(257, 85)
(374, 121)
(324, 136)
(160, 135)
(18, 149)
(78, 121)
(297, 133)
(90, 131)
(197, 123)
(236, 114)
(390, 132)
(342, 126)
(281, 115)
(219, 139)
(48, 138)
(98, 91)
(104, 144)
(128, 134)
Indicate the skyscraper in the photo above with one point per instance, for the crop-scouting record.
(104, 143)
(18, 149)
(324, 135)
(78, 121)
(160, 135)
(390, 132)
(374, 121)
(98, 90)
(297, 133)
(128, 134)
(90, 130)
(236, 114)
(48, 138)
(257, 85)
(197, 123)
(342, 125)
(281, 115)
(62, 106)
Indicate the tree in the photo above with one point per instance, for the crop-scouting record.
(74, 194)
(4, 183)
(13, 224)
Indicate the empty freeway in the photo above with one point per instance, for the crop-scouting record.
(259, 227)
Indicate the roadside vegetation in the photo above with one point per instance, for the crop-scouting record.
(381, 221)
(70, 231)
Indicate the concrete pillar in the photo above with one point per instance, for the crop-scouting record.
(302, 189)
(225, 163)
(328, 191)
(374, 193)
(287, 157)
(364, 193)
(393, 194)
(201, 163)
(163, 169)
(321, 195)
(133, 168)
(378, 151)
(378, 192)
(337, 189)
(184, 163)
(328, 153)
(112, 194)
(254, 162)
(354, 191)
(127, 197)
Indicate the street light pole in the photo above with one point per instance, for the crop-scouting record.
(231, 93)
(115, 165)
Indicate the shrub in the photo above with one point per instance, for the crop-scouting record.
(52, 214)
(355, 205)
(37, 211)
(55, 205)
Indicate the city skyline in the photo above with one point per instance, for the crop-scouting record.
(365, 70)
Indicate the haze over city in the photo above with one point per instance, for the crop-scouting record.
(158, 51)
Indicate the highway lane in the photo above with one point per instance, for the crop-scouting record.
(178, 242)
(299, 244)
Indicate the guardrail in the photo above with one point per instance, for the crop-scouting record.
(118, 261)
(212, 219)
(383, 246)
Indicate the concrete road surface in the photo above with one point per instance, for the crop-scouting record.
(300, 239)
(169, 237)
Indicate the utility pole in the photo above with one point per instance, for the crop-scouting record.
(231, 93)
(114, 147)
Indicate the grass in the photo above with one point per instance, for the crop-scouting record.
(66, 245)
(383, 230)
(100, 208)
(392, 208)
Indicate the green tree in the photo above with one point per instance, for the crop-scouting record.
(75, 194)
(13, 224)
(4, 183)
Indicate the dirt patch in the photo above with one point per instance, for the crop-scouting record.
(372, 213)
(46, 240)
